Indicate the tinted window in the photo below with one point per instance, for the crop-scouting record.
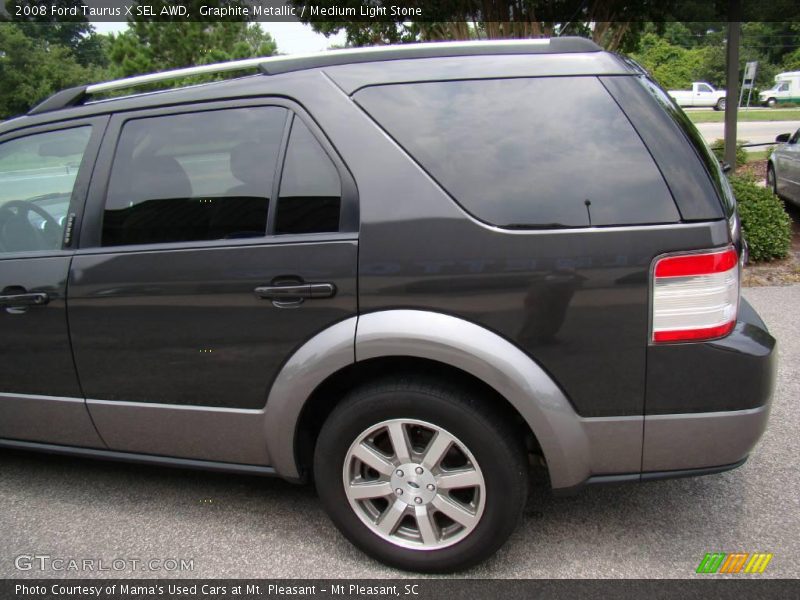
(527, 152)
(310, 195)
(190, 177)
(37, 174)
(703, 88)
(690, 131)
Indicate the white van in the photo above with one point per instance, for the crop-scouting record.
(785, 90)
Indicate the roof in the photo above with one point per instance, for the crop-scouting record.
(274, 65)
(349, 69)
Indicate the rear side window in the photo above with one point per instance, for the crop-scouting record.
(311, 191)
(192, 177)
(712, 165)
(527, 153)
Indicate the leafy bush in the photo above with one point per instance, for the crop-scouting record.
(718, 148)
(674, 67)
(765, 223)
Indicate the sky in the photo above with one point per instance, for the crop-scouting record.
(292, 37)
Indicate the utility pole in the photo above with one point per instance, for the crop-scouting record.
(732, 85)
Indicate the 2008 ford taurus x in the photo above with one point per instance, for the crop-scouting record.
(403, 274)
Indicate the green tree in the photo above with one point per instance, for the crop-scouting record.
(73, 32)
(672, 66)
(791, 61)
(156, 45)
(32, 69)
(614, 24)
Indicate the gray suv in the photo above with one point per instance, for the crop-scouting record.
(406, 274)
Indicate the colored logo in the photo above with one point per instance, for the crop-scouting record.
(736, 562)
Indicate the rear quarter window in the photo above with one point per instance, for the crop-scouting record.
(527, 153)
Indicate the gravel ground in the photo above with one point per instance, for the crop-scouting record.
(236, 526)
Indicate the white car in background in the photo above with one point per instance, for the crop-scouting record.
(701, 94)
(783, 168)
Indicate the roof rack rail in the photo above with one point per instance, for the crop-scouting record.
(76, 95)
(274, 65)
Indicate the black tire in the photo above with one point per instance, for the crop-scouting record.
(772, 182)
(491, 438)
(771, 103)
(720, 104)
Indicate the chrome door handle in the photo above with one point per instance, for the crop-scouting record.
(321, 290)
(25, 299)
(271, 292)
(293, 294)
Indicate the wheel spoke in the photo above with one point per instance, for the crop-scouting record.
(397, 434)
(459, 514)
(372, 489)
(437, 449)
(371, 458)
(465, 478)
(392, 517)
(427, 527)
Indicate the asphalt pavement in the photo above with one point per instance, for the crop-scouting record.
(237, 526)
(755, 132)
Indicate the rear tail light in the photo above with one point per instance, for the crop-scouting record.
(695, 296)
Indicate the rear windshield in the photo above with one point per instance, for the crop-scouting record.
(527, 153)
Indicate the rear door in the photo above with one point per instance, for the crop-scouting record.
(44, 175)
(219, 239)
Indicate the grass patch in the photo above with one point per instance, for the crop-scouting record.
(776, 114)
(757, 155)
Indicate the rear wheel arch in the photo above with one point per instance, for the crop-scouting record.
(330, 393)
(319, 366)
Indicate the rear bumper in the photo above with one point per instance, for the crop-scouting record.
(722, 398)
(684, 445)
(703, 440)
(707, 406)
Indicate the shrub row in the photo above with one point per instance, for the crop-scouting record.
(718, 148)
(766, 226)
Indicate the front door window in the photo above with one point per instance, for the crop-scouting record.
(37, 175)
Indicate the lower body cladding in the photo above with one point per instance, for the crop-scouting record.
(577, 450)
(680, 445)
(674, 445)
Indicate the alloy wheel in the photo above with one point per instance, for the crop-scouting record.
(414, 484)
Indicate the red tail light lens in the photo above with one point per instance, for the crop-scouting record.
(695, 296)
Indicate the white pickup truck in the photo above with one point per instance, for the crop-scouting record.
(701, 94)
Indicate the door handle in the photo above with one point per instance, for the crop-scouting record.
(25, 299)
(293, 294)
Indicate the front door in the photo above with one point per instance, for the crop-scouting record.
(221, 243)
(43, 180)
